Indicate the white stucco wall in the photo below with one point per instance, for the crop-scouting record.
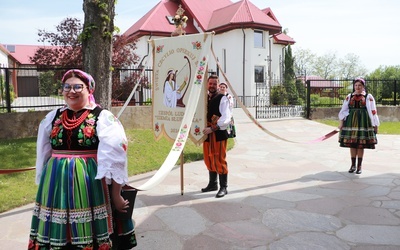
(236, 67)
(3, 59)
(277, 58)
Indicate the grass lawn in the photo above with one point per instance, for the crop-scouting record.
(385, 128)
(144, 155)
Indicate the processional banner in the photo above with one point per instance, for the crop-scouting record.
(167, 55)
(179, 64)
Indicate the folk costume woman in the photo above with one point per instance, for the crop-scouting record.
(358, 124)
(81, 167)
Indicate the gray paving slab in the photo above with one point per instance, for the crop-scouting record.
(282, 195)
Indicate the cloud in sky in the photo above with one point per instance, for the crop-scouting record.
(366, 28)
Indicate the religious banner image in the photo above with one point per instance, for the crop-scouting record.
(178, 65)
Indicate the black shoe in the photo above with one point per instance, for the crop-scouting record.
(352, 169)
(359, 171)
(210, 188)
(212, 183)
(222, 192)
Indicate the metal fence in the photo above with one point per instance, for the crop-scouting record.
(33, 89)
(30, 89)
(318, 93)
(268, 107)
(331, 93)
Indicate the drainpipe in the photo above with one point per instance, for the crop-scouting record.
(148, 49)
(244, 66)
(269, 57)
(283, 62)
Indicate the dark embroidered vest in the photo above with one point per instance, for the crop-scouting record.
(213, 109)
(84, 137)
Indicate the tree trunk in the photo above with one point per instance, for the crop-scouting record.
(97, 46)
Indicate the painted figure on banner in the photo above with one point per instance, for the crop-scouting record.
(358, 124)
(173, 91)
(214, 147)
(179, 66)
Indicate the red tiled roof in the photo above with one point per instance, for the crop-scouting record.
(203, 10)
(284, 39)
(23, 52)
(210, 15)
(269, 13)
(155, 21)
(242, 14)
(319, 82)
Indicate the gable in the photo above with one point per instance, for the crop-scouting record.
(242, 14)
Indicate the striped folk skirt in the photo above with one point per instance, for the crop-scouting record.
(357, 130)
(72, 208)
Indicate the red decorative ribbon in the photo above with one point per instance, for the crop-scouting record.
(323, 138)
(11, 171)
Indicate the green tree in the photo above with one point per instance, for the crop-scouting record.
(47, 84)
(278, 95)
(289, 78)
(382, 74)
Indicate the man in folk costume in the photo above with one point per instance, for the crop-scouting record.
(214, 147)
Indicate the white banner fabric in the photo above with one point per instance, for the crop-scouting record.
(176, 70)
(169, 53)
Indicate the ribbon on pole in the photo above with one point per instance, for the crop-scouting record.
(254, 120)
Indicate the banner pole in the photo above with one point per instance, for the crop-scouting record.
(182, 184)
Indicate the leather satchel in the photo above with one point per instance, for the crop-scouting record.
(128, 193)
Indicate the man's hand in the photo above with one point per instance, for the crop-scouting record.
(207, 130)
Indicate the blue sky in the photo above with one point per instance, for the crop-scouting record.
(367, 28)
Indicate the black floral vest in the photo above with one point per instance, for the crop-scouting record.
(213, 109)
(84, 137)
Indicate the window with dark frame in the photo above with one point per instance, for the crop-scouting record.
(258, 39)
(259, 74)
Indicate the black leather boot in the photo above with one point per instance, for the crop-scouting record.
(223, 183)
(212, 184)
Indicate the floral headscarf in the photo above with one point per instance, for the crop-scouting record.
(85, 77)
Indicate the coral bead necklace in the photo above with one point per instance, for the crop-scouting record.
(72, 123)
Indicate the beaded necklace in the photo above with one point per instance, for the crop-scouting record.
(70, 124)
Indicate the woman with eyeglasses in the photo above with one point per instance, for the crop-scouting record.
(81, 167)
(358, 124)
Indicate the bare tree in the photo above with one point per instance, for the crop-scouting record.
(325, 66)
(96, 38)
(350, 67)
(303, 61)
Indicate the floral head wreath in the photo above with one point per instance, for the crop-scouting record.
(222, 83)
(85, 77)
(359, 79)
